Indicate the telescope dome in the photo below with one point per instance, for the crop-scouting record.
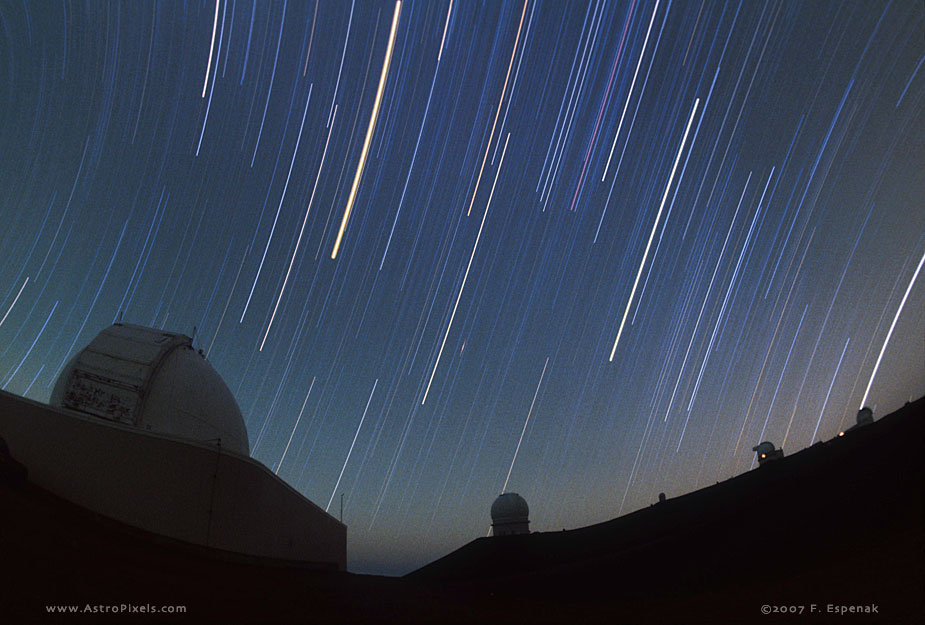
(510, 515)
(155, 381)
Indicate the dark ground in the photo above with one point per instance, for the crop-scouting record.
(840, 523)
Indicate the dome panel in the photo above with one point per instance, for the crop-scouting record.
(188, 398)
(153, 380)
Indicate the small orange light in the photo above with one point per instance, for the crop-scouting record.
(841, 433)
(763, 456)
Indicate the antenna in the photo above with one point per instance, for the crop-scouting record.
(341, 507)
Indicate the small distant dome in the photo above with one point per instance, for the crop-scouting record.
(767, 453)
(510, 515)
(153, 380)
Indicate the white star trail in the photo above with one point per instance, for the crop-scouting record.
(352, 443)
(15, 299)
(889, 333)
(658, 216)
(526, 423)
(211, 49)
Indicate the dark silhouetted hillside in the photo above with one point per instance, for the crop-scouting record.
(839, 523)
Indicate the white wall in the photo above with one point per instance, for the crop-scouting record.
(185, 490)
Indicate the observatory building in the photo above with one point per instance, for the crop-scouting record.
(154, 381)
(142, 430)
(510, 515)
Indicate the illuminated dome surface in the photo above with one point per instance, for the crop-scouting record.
(153, 380)
(509, 507)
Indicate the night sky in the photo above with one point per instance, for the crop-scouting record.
(735, 190)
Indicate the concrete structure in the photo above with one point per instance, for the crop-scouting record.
(510, 515)
(146, 432)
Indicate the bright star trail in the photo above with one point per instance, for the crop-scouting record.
(706, 218)
(15, 299)
(658, 216)
(369, 131)
(889, 333)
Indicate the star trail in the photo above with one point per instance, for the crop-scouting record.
(619, 243)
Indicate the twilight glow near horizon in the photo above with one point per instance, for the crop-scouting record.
(591, 250)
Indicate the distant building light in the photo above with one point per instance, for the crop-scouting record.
(767, 453)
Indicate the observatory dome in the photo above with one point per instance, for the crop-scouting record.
(509, 507)
(510, 515)
(153, 380)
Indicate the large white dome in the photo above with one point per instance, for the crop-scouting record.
(153, 380)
